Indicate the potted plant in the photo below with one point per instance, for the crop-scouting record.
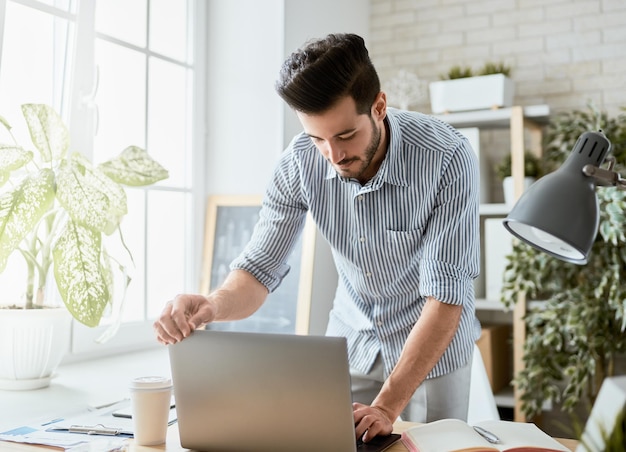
(55, 209)
(463, 89)
(532, 170)
(577, 334)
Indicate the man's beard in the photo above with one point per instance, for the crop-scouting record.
(368, 156)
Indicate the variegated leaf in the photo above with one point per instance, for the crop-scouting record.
(47, 131)
(134, 167)
(89, 196)
(13, 157)
(22, 208)
(79, 274)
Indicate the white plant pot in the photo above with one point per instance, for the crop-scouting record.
(509, 188)
(471, 93)
(32, 344)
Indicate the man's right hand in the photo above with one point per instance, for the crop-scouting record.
(181, 316)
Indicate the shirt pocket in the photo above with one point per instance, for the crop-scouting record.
(404, 247)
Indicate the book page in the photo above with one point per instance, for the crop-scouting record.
(457, 436)
(526, 436)
(448, 434)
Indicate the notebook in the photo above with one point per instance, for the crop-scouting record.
(264, 392)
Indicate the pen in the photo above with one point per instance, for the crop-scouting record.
(59, 419)
(97, 429)
(94, 430)
(487, 435)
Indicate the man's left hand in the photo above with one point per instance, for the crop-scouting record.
(370, 421)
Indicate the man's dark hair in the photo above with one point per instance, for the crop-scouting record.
(316, 76)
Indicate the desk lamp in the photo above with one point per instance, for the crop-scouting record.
(559, 213)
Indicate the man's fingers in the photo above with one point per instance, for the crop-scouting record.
(370, 422)
(180, 321)
(172, 326)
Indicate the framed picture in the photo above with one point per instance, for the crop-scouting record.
(230, 221)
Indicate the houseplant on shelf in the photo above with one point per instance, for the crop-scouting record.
(532, 170)
(577, 333)
(463, 89)
(55, 208)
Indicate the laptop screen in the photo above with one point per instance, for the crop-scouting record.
(262, 392)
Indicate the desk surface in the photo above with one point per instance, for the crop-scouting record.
(173, 443)
(91, 383)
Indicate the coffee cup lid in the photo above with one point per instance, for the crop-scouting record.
(151, 382)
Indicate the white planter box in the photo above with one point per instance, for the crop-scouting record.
(471, 93)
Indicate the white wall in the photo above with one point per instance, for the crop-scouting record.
(247, 123)
(562, 52)
(244, 115)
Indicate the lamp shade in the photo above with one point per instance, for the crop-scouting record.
(559, 213)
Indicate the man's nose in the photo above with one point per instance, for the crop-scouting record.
(334, 153)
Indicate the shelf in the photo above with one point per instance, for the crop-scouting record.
(500, 209)
(483, 304)
(495, 118)
(525, 126)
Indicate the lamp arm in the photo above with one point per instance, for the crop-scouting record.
(607, 176)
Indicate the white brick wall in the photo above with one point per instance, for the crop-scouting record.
(563, 53)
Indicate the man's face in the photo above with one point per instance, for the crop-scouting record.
(353, 144)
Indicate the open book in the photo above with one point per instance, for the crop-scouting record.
(455, 435)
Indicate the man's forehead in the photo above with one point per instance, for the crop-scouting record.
(336, 121)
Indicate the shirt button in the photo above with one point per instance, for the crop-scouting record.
(379, 323)
(360, 198)
(368, 274)
(362, 239)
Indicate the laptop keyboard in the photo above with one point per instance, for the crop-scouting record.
(377, 444)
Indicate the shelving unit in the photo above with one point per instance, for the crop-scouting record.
(525, 126)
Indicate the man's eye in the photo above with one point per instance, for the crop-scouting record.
(346, 138)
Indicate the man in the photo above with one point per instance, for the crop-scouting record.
(395, 194)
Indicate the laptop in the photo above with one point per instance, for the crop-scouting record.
(258, 392)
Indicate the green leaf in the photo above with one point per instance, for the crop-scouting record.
(47, 131)
(13, 157)
(5, 123)
(134, 167)
(89, 196)
(79, 273)
(22, 208)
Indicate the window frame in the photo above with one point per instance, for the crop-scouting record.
(81, 123)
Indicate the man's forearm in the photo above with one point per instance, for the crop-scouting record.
(425, 345)
(240, 296)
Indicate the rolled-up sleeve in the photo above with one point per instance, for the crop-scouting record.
(281, 221)
(451, 248)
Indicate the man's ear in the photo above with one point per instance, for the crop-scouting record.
(379, 107)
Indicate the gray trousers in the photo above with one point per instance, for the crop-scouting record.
(436, 398)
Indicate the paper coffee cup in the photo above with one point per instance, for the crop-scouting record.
(150, 407)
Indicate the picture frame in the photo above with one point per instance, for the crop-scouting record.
(230, 220)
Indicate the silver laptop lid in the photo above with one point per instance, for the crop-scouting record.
(262, 392)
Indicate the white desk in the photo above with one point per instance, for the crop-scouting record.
(173, 443)
(93, 383)
(80, 385)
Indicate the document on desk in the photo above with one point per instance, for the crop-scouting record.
(42, 435)
(80, 430)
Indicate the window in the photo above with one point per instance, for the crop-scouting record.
(120, 72)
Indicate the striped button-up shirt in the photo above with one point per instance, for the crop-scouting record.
(411, 232)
